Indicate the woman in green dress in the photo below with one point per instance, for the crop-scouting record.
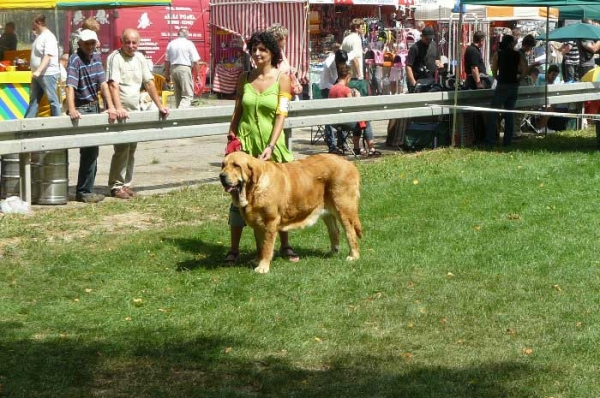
(261, 106)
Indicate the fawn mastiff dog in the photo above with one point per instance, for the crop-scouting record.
(276, 197)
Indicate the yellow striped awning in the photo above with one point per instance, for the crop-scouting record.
(25, 4)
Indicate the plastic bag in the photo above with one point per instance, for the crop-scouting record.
(14, 204)
(296, 86)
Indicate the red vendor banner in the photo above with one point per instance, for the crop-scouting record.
(157, 25)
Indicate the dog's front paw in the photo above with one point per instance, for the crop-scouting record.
(262, 268)
(351, 258)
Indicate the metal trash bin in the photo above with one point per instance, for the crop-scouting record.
(9, 176)
(50, 177)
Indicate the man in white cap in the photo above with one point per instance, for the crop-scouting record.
(85, 80)
(181, 57)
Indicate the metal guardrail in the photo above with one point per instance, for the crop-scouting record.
(43, 134)
(25, 136)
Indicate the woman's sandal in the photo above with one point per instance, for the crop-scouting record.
(374, 153)
(231, 257)
(289, 254)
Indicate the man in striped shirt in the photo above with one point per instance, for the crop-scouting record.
(85, 80)
(570, 62)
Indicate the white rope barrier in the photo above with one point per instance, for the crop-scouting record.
(517, 111)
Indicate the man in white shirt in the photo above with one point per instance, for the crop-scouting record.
(181, 57)
(45, 71)
(352, 44)
(127, 70)
(329, 74)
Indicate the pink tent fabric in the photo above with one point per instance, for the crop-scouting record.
(243, 18)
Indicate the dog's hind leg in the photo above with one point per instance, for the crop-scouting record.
(346, 212)
(353, 229)
(265, 249)
(333, 231)
(352, 240)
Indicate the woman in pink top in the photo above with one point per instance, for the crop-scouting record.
(342, 90)
(281, 34)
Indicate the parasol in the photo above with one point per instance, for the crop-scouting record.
(576, 31)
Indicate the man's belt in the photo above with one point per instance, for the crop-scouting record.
(86, 104)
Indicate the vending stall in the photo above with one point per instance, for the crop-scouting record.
(388, 27)
(15, 75)
(14, 87)
(232, 22)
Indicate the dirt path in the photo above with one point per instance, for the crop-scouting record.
(161, 166)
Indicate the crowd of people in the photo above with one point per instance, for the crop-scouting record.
(514, 65)
(344, 65)
(262, 99)
(117, 85)
(263, 93)
(90, 87)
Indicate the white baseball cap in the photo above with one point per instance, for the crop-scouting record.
(88, 35)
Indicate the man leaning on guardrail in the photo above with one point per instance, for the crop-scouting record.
(85, 80)
(127, 70)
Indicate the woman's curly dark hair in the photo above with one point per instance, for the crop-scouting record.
(269, 40)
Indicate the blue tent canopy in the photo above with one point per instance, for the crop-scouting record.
(579, 11)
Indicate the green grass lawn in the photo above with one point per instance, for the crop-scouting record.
(479, 277)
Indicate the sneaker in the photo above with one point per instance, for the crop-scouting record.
(120, 193)
(89, 197)
(130, 191)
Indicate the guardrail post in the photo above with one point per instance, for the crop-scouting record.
(288, 138)
(25, 173)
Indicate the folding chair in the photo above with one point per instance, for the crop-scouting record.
(343, 135)
(160, 84)
(528, 123)
(317, 133)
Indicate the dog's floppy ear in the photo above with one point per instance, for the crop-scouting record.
(255, 169)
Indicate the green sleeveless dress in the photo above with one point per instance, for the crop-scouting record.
(256, 123)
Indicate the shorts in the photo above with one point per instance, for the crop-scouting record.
(235, 217)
